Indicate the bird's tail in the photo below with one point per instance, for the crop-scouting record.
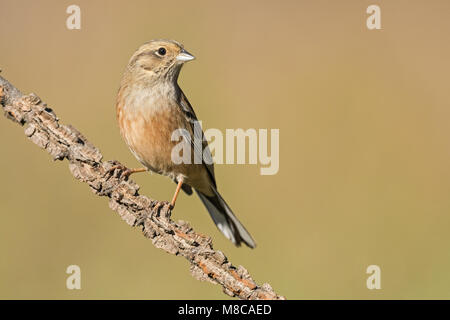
(225, 220)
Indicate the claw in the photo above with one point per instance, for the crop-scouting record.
(125, 172)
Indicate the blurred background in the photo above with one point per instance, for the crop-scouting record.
(364, 146)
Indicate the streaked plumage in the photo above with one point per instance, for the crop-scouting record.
(150, 107)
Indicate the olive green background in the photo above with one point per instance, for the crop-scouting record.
(364, 146)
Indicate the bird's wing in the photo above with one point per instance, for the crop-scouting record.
(202, 151)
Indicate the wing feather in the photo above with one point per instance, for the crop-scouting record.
(202, 150)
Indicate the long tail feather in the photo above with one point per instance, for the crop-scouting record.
(225, 219)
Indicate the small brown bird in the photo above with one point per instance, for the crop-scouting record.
(150, 108)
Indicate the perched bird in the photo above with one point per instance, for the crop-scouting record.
(151, 106)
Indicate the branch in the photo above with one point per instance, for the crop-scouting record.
(85, 162)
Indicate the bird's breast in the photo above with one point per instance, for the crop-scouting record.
(147, 121)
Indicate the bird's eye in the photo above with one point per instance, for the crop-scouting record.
(162, 51)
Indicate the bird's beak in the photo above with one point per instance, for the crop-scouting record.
(185, 56)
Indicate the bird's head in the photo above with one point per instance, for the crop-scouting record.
(158, 60)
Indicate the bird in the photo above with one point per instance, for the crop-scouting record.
(150, 107)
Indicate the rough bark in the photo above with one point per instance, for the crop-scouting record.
(154, 217)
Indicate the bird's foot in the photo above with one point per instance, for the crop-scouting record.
(162, 209)
(124, 171)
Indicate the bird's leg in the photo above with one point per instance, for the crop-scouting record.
(126, 172)
(174, 199)
(129, 172)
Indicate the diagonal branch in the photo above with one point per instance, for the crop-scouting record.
(85, 162)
